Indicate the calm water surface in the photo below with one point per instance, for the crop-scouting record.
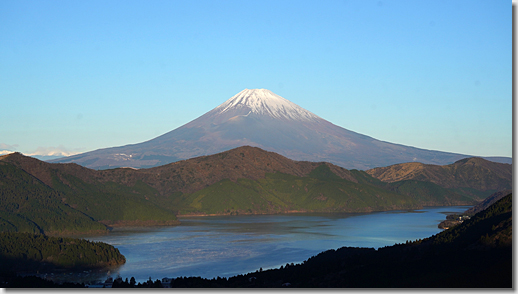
(230, 245)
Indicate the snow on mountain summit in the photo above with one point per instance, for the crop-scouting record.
(260, 118)
(265, 102)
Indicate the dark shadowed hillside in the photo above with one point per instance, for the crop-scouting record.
(25, 252)
(455, 219)
(487, 202)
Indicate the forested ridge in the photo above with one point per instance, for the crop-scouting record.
(37, 252)
(470, 178)
(61, 199)
(28, 205)
(66, 205)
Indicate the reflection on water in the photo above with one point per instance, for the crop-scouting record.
(230, 245)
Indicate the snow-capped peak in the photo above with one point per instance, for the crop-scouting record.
(265, 102)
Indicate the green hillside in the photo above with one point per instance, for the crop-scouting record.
(321, 191)
(70, 205)
(28, 205)
(429, 192)
(111, 203)
(50, 198)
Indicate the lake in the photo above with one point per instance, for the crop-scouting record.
(230, 245)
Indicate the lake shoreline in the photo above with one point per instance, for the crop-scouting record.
(288, 212)
(142, 225)
(224, 245)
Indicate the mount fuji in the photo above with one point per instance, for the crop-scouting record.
(260, 118)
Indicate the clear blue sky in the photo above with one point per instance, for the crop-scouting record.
(82, 75)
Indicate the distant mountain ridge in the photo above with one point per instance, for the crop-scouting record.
(472, 172)
(260, 118)
(470, 177)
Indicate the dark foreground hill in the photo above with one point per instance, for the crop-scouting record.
(50, 198)
(25, 252)
(487, 202)
(455, 219)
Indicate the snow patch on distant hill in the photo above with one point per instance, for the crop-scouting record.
(265, 102)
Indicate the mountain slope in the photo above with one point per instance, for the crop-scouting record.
(28, 205)
(455, 219)
(24, 252)
(251, 180)
(60, 199)
(281, 193)
(472, 172)
(244, 180)
(262, 119)
(487, 202)
(470, 179)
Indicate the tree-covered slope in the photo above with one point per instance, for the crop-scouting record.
(490, 227)
(111, 203)
(225, 178)
(28, 205)
(487, 202)
(467, 181)
(241, 180)
(57, 202)
(279, 192)
(424, 192)
(194, 174)
(26, 252)
(474, 172)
